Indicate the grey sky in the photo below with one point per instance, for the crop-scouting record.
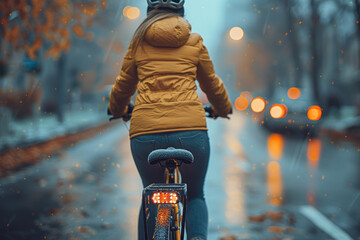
(206, 18)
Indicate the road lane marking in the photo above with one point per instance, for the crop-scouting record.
(323, 223)
(354, 201)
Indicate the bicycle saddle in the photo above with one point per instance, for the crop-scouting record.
(159, 155)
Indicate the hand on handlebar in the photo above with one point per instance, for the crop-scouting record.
(211, 114)
(208, 109)
(126, 117)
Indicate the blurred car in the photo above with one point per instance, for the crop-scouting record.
(292, 110)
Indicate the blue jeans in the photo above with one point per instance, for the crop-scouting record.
(197, 142)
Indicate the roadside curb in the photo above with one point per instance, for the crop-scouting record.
(12, 160)
(340, 135)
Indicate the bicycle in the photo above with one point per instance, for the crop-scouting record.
(168, 198)
(166, 202)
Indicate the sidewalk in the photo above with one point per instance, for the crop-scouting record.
(344, 126)
(32, 140)
(43, 128)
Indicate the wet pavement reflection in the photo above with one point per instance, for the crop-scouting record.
(274, 184)
(313, 153)
(275, 146)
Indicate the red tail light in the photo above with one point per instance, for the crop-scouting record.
(165, 197)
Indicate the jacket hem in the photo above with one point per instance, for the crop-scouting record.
(167, 130)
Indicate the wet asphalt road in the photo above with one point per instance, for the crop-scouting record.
(260, 185)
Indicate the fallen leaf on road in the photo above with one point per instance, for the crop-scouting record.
(67, 198)
(84, 214)
(292, 219)
(87, 230)
(60, 184)
(280, 229)
(53, 211)
(274, 216)
(257, 218)
(232, 237)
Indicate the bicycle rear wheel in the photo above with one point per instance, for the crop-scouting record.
(163, 221)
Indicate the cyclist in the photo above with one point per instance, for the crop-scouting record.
(162, 63)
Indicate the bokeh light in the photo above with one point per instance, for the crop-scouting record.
(131, 12)
(258, 104)
(278, 111)
(294, 93)
(236, 33)
(247, 95)
(241, 103)
(314, 113)
(125, 10)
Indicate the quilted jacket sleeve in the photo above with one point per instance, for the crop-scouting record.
(124, 87)
(211, 84)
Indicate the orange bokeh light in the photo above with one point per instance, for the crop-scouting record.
(278, 111)
(275, 146)
(294, 93)
(314, 113)
(241, 103)
(247, 95)
(274, 184)
(125, 10)
(258, 104)
(131, 12)
(236, 33)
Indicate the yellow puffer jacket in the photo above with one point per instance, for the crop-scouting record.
(163, 70)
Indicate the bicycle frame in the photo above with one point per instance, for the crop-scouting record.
(172, 185)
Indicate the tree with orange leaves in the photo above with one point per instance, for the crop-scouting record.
(42, 26)
(28, 24)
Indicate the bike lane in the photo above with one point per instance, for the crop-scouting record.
(92, 191)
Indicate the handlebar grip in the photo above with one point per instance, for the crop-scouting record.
(109, 112)
(207, 108)
(211, 113)
(126, 117)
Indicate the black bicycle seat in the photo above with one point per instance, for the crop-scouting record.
(159, 155)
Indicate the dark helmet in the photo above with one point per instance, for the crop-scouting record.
(171, 4)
